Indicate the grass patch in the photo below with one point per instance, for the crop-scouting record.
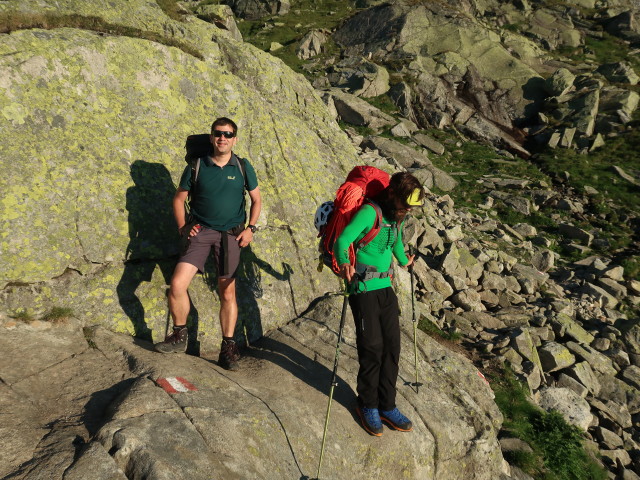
(359, 129)
(14, 21)
(288, 30)
(595, 170)
(478, 160)
(431, 329)
(23, 316)
(618, 198)
(558, 448)
(383, 103)
(631, 267)
(58, 314)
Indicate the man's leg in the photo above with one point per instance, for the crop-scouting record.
(227, 258)
(179, 307)
(179, 304)
(229, 352)
(228, 306)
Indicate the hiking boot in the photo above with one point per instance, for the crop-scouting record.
(176, 342)
(396, 420)
(229, 355)
(370, 419)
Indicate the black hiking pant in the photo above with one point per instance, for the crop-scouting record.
(378, 340)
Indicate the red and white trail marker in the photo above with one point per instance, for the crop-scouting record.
(483, 378)
(176, 385)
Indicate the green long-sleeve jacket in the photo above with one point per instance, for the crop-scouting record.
(378, 253)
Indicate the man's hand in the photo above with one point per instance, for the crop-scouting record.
(347, 271)
(245, 237)
(194, 230)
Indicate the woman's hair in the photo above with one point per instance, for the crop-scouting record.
(401, 186)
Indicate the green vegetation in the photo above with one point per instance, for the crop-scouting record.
(288, 30)
(616, 198)
(610, 49)
(558, 448)
(359, 129)
(23, 316)
(631, 266)
(384, 103)
(476, 161)
(14, 21)
(431, 329)
(595, 170)
(57, 314)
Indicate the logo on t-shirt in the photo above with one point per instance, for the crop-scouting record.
(231, 178)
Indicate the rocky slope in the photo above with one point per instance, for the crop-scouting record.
(265, 421)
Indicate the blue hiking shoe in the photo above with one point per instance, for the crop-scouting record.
(370, 419)
(396, 420)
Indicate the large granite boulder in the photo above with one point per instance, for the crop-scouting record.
(98, 123)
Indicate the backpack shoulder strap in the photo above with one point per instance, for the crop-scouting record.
(195, 171)
(375, 229)
(242, 166)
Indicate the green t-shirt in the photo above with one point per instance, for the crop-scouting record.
(378, 253)
(218, 200)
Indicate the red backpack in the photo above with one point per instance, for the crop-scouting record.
(362, 183)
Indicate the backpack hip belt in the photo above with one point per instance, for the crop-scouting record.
(367, 272)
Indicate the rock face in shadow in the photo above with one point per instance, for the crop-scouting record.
(264, 421)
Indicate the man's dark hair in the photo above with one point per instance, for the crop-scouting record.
(401, 186)
(224, 121)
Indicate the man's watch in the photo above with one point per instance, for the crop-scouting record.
(253, 228)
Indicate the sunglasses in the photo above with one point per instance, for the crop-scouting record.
(222, 133)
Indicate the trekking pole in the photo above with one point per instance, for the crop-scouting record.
(334, 382)
(413, 319)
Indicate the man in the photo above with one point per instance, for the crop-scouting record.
(373, 302)
(218, 211)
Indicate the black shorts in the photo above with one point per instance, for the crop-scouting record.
(226, 251)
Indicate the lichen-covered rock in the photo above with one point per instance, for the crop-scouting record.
(99, 123)
(570, 405)
(361, 77)
(222, 17)
(554, 356)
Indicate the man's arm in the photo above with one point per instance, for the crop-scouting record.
(178, 207)
(178, 211)
(246, 236)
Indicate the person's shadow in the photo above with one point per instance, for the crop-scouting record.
(248, 291)
(249, 332)
(153, 238)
